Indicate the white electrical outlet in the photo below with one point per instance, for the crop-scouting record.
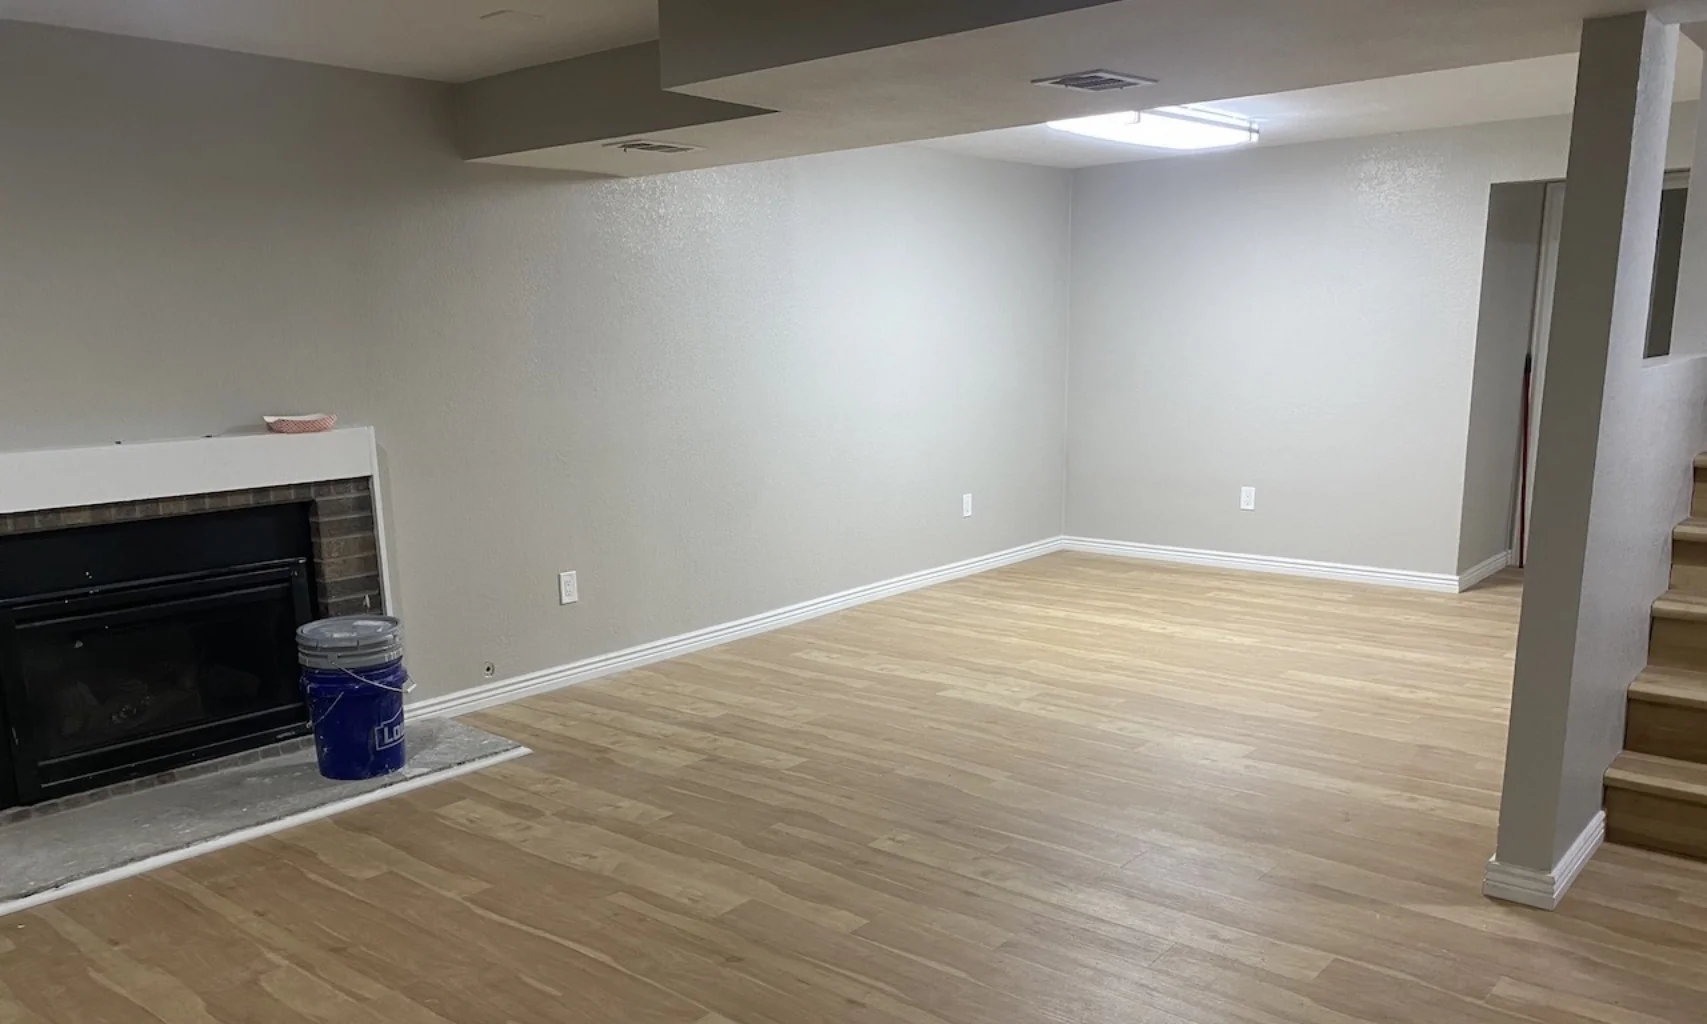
(966, 506)
(567, 590)
(1248, 499)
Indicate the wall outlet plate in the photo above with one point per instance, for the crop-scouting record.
(1248, 499)
(568, 591)
(965, 506)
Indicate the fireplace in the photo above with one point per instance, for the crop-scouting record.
(139, 637)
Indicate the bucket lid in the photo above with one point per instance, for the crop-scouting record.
(350, 640)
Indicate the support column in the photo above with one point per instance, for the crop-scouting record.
(1604, 502)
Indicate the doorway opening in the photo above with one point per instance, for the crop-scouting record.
(1662, 312)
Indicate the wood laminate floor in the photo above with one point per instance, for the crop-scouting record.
(1074, 790)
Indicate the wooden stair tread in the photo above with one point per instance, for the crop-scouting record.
(1691, 529)
(1679, 604)
(1671, 686)
(1701, 461)
(1659, 776)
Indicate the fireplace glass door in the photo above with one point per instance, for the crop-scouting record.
(127, 680)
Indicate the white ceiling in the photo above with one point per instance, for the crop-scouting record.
(447, 40)
(979, 80)
(1291, 54)
(1515, 90)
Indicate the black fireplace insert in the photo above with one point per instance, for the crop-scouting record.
(132, 648)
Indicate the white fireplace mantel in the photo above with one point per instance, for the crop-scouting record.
(103, 474)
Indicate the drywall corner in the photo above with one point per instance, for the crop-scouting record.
(1617, 432)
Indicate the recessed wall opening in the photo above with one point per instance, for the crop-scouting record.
(1668, 260)
(1520, 265)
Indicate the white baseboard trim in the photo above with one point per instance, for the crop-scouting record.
(244, 835)
(1445, 583)
(1544, 889)
(1476, 574)
(505, 690)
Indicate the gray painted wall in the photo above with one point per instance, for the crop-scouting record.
(1613, 470)
(1303, 319)
(1511, 254)
(712, 394)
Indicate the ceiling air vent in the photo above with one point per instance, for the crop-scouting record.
(1095, 81)
(652, 146)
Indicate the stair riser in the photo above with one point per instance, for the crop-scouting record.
(1667, 730)
(1698, 502)
(1678, 643)
(1689, 566)
(1656, 823)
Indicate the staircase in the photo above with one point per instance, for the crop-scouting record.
(1656, 792)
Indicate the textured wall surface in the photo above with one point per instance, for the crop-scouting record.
(712, 394)
(1301, 319)
(1613, 467)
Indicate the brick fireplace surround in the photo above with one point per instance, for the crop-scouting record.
(341, 520)
(333, 477)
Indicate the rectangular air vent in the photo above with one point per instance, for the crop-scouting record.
(652, 146)
(1095, 81)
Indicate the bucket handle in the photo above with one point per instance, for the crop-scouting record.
(410, 688)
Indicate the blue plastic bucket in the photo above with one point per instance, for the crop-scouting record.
(353, 676)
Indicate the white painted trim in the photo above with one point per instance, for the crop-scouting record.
(244, 835)
(104, 474)
(505, 690)
(1544, 890)
(1476, 574)
(1446, 583)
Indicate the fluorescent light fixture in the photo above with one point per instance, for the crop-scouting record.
(1180, 128)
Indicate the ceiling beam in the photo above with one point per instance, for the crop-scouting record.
(704, 40)
(608, 96)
